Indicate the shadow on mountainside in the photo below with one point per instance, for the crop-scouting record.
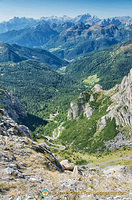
(32, 121)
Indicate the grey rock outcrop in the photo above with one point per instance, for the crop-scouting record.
(82, 104)
(74, 111)
(126, 87)
(119, 141)
(12, 105)
(97, 88)
(88, 111)
(9, 127)
(79, 106)
(121, 107)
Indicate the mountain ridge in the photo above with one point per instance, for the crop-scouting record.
(81, 39)
(15, 53)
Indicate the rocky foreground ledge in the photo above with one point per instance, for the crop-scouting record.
(20, 156)
(27, 168)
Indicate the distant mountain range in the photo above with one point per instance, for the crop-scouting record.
(81, 39)
(20, 23)
(16, 24)
(67, 37)
(33, 36)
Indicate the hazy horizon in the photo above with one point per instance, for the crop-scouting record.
(37, 8)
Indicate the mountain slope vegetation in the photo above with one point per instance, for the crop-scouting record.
(15, 53)
(106, 67)
(7, 54)
(43, 91)
(37, 85)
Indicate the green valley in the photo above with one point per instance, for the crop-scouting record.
(108, 66)
(43, 91)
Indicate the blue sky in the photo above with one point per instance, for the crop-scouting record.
(39, 8)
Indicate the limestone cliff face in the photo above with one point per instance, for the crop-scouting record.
(112, 109)
(126, 86)
(79, 106)
(82, 104)
(121, 106)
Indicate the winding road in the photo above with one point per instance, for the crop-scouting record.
(54, 137)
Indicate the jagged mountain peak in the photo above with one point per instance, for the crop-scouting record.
(21, 19)
(109, 21)
(43, 25)
(16, 23)
(56, 19)
(86, 18)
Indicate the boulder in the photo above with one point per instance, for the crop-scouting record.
(67, 165)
